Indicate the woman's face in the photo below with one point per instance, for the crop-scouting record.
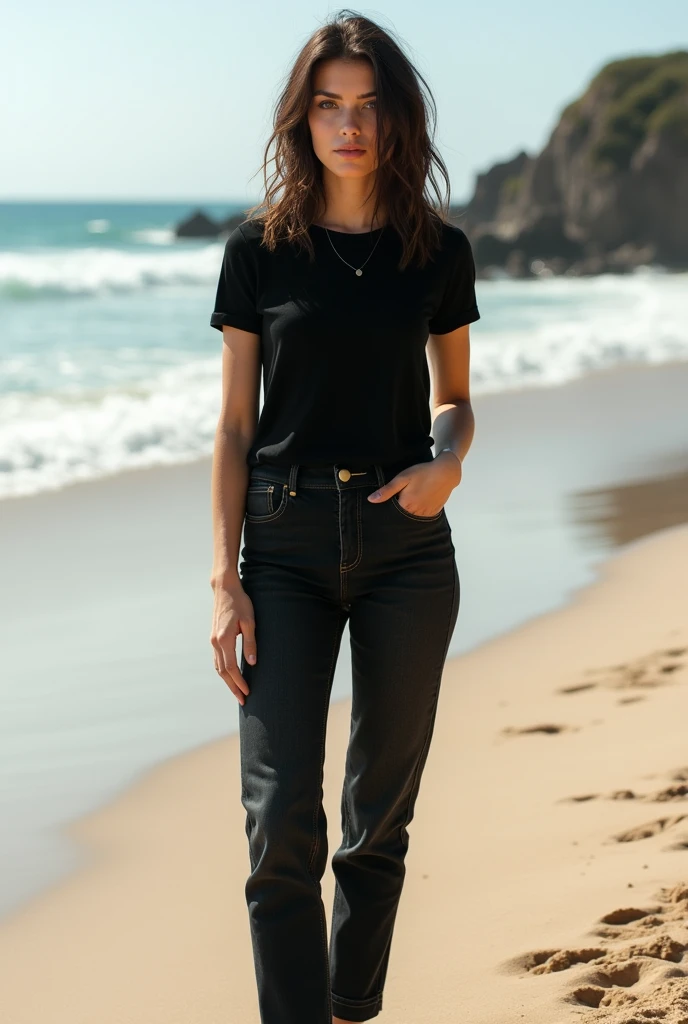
(343, 112)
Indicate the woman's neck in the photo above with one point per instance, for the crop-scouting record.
(350, 222)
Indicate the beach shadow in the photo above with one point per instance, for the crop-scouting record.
(614, 516)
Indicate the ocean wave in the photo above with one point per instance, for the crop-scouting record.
(97, 269)
(70, 413)
(47, 441)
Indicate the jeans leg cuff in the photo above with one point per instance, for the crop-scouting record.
(356, 1009)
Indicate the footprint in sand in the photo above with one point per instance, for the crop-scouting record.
(675, 793)
(577, 688)
(644, 673)
(649, 829)
(640, 946)
(616, 924)
(662, 796)
(635, 922)
(679, 845)
(547, 728)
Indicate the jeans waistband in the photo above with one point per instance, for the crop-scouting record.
(337, 475)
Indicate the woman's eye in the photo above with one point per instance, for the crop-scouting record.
(322, 102)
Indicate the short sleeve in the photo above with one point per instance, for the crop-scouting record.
(235, 301)
(458, 305)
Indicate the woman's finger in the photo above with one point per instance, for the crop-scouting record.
(248, 640)
(386, 491)
(234, 678)
(227, 672)
(218, 656)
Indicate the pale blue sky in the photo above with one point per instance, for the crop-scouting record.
(172, 99)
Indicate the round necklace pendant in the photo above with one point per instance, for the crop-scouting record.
(359, 272)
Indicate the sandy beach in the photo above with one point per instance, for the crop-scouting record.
(547, 873)
(547, 876)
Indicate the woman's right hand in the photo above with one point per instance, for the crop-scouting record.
(232, 615)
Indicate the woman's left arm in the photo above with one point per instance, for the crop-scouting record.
(453, 420)
(429, 484)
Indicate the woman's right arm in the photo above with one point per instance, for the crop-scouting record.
(233, 610)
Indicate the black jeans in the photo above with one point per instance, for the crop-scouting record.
(316, 553)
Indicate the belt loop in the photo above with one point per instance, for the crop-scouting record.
(292, 478)
(380, 475)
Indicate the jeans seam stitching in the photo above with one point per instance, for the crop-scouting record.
(359, 539)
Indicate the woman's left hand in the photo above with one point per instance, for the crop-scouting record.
(427, 485)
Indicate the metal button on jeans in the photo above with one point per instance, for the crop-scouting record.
(344, 474)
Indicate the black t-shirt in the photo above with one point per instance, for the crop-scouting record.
(345, 373)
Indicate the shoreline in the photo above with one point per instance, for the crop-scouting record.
(504, 862)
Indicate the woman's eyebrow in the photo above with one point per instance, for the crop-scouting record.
(336, 96)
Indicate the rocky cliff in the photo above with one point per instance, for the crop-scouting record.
(609, 190)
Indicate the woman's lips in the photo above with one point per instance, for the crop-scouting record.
(350, 152)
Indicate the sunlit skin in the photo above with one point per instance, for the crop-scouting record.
(346, 115)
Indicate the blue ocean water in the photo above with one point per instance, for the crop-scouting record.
(107, 359)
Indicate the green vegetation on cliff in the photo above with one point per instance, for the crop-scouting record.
(638, 97)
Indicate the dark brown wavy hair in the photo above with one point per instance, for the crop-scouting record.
(405, 129)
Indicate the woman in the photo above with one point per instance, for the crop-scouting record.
(335, 290)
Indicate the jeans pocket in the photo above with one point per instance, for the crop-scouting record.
(412, 515)
(265, 501)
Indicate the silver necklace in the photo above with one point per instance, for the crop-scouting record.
(359, 270)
